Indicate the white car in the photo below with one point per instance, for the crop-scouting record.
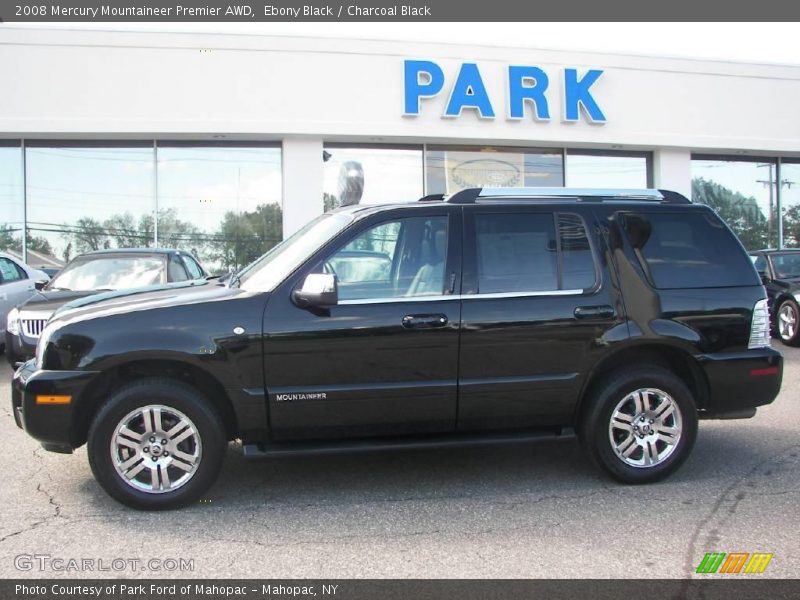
(17, 284)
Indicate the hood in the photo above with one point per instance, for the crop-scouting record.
(147, 298)
(45, 301)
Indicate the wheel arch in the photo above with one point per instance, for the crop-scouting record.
(677, 360)
(120, 374)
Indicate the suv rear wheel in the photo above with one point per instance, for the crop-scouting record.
(640, 424)
(156, 444)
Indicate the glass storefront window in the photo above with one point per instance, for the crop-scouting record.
(222, 203)
(743, 193)
(84, 197)
(790, 203)
(371, 175)
(449, 169)
(607, 170)
(11, 207)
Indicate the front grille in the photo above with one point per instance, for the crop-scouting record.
(32, 328)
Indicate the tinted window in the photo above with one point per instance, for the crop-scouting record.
(397, 259)
(786, 266)
(516, 252)
(577, 264)
(9, 271)
(688, 250)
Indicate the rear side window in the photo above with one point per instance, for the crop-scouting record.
(688, 250)
(532, 252)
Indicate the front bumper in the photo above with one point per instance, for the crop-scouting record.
(54, 425)
(18, 349)
(741, 381)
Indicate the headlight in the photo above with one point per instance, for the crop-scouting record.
(12, 323)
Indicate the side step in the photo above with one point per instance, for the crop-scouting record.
(277, 449)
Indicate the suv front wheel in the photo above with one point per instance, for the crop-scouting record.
(640, 424)
(788, 324)
(156, 444)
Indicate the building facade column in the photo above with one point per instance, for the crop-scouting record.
(301, 164)
(672, 170)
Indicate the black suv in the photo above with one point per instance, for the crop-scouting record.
(494, 315)
(780, 272)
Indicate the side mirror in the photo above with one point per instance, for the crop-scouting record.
(764, 277)
(318, 289)
(39, 285)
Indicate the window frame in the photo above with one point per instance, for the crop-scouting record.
(470, 278)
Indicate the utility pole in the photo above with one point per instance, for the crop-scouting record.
(770, 183)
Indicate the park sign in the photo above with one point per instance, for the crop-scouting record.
(527, 87)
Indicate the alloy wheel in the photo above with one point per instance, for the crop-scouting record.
(156, 449)
(645, 427)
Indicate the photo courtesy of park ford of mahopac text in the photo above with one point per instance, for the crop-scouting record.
(434, 300)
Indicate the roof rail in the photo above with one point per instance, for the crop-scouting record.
(432, 198)
(472, 195)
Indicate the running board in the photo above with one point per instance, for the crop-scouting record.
(277, 449)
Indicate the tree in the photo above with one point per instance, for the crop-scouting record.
(791, 226)
(88, 234)
(10, 241)
(244, 237)
(740, 212)
(7, 239)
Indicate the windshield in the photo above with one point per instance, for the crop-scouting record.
(786, 266)
(277, 264)
(109, 272)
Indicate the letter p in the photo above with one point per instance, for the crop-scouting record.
(423, 79)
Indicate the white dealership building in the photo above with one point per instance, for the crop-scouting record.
(169, 138)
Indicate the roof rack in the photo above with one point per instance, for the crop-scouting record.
(472, 195)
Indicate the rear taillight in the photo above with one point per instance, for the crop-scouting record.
(759, 327)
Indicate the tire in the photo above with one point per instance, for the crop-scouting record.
(623, 452)
(185, 458)
(787, 322)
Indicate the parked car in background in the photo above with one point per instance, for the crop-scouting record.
(17, 284)
(88, 274)
(780, 273)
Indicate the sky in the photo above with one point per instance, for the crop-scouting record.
(747, 42)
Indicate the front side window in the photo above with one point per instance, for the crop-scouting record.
(398, 259)
(786, 266)
(195, 272)
(533, 252)
(9, 271)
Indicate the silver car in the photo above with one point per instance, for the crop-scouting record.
(17, 284)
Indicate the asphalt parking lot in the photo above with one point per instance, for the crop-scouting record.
(528, 511)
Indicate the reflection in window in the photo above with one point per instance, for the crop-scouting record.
(11, 209)
(449, 169)
(613, 170)
(743, 193)
(371, 175)
(516, 252)
(222, 204)
(88, 197)
(393, 260)
(790, 203)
